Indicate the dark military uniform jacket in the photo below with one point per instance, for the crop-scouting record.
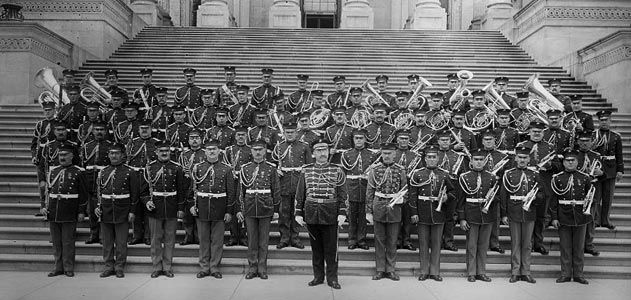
(243, 114)
(224, 134)
(473, 114)
(515, 185)
(66, 193)
(471, 192)
(290, 157)
(510, 100)
(113, 117)
(355, 162)
(384, 181)
(236, 156)
(141, 151)
(149, 91)
(588, 159)
(73, 114)
(609, 144)
(337, 99)
(222, 98)
(297, 100)
(266, 133)
(307, 136)
(421, 133)
(203, 117)
(569, 190)
(408, 160)
(376, 134)
(166, 188)
(538, 151)
(453, 162)
(425, 186)
(94, 158)
(191, 100)
(469, 138)
(177, 136)
(321, 194)
(557, 137)
(339, 137)
(49, 155)
(259, 189)
(41, 135)
(84, 133)
(262, 95)
(126, 131)
(214, 190)
(391, 100)
(354, 108)
(447, 95)
(586, 120)
(161, 117)
(118, 192)
(189, 158)
(494, 157)
(506, 139)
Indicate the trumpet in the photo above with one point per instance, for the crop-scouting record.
(589, 200)
(94, 91)
(398, 197)
(375, 94)
(441, 196)
(499, 166)
(46, 80)
(530, 197)
(460, 95)
(490, 196)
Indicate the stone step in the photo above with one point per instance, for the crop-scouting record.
(18, 186)
(15, 144)
(18, 177)
(10, 167)
(17, 137)
(24, 158)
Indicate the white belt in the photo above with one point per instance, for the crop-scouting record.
(64, 196)
(508, 152)
(137, 168)
(518, 198)
(321, 200)
(75, 129)
(178, 148)
(95, 167)
(42, 145)
(158, 129)
(428, 198)
(609, 157)
(571, 202)
(164, 194)
(476, 200)
(211, 195)
(356, 176)
(122, 196)
(258, 191)
(296, 169)
(382, 195)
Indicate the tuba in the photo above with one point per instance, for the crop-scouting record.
(416, 95)
(375, 95)
(496, 101)
(46, 80)
(92, 91)
(544, 101)
(461, 94)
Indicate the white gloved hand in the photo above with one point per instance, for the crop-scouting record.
(300, 220)
(340, 220)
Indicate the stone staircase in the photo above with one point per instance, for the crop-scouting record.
(321, 53)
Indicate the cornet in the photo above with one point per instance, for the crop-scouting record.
(46, 80)
(441, 195)
(589, 200)
(94, 91)
(490, 196)
(530, 197)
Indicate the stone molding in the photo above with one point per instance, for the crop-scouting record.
(33, 38)
(607, 59)
(606, 52)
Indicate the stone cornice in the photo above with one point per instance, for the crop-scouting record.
(33, 38)
(114, 12)
(607, 51)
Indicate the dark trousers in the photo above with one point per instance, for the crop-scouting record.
(572, 241)
(258, 239)
(386, 245)
(357, 223)
(93, 219)
(477, 244)
(521, 247)
(237, 231)
(190, 228)
(429, 238)
(63, 237)
(448, 230)
(595, 211)
(115, 245)
(542, 212)
(601, 214)
(323, 238)
(162, 243)
(210, 244)
(141, 226)
(403, 238)
(287, 225)
(494, 241)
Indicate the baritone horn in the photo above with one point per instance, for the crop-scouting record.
(460, 95)
(92, 91)
(534, 86)
(423, 83)
(496, 100)
(45, 79)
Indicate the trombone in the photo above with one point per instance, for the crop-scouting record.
(94, 91)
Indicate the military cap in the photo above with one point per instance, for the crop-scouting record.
(221, 111)
(554, 112)
(413, 77)
(189, 71)
(436, 95)
(458, 112)
(206, 92)
(522, 94)
(501, 79)
(211, 143)
(603, 114)
(584, 135)
(119, 94)
(304, 115)
(290, 125)
(503, 112)
(431, 149)
(230, 84)
(74, 88)
(93, 105)
(359, 132)
(537, 124)
(69, 72)
(260, 112)
(243, 87)
(57, 123)
(66, 148)
(258, 143)
(554, 80)
(131, 105)
(487, 132)
(478, 152)
(403, 133)
(109, 72)
(302, 77)
(162, 90)
(146, 71)
(320, 144)
(195, 132)
(452, 76)
(144, 123)
(339, 78)
(243, 129)
(356, 89)
(267, 71)
(576, 97)
(570, 153)
(478, 93)
(340, 108)
(98, 124)
(229, 68)
(48, 105)
(178, 108)
(421, 110)
(120, 147)
(388, 146)
(443, 133)
(162, 144)
(380, 106)
(382, 77)
(317, 93)
(522, 149)
(402, 94)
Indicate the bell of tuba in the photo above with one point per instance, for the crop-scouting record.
(535, 87)
(416, 96)
(92, 91)
(45, 79)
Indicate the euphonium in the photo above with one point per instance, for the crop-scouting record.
(534, 86)
(46, 80)
(94, 90)
(422, 85)
(496, 100)
(460, 95)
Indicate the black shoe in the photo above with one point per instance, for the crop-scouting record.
(423, 277)
(363, 246)
(498, 249)
(298, 245)
(471, 278)
(399, 246)
(334, 284)
(169, 274)
(120, 274)
(69, 274)
(563, 279)
(156, 274)
(593, 252)
(282, 245)
(107, 273)
(136, 241)
(410, 247)
(528, 278)
(352, 246)
(263, 276)
(250, 275)
(541, 249)
(436, 277)
(451, 248)
(581, 280)
(231, 243)
(483, 277)
(315, 282)
(147, 242)
(92, 241)
(513, 279)
(186, 242)
(39, 214)
(378, 276)
(55, 273)
(216, 275)
(610, 226)
(202, 274)
(393, 276)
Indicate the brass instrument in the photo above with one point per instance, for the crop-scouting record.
(421, 143)
(441, 195)
(143, 97)
(522, 123)
(230, 94)
(496, 100)
(481, 120)
(530, 197)
(375, 94)
(490, 196)
(404, 120)
(546, 159)
(398, 197)
(589, 200)
(437, 121)
(423, 84)
(460, 95)
(499, 165)
(319, 117)
(46, 80)
(94, 91)
(544, 101)
(314, 86)
(360, 118)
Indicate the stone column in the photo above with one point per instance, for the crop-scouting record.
(357, 14)
(497, 12)
(150, 12)
(285, 14)
(213, 13)
(429, 15)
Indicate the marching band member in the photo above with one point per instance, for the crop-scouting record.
(224, 94)
(305, 133)
(115, 113)
(339, 97)
(242, 113)
(555, 135)
(111, 86)
(262, 94)
(590, 163)
(74, 112)
(160, 115)
(188, 95)
(554, 86)
(297, 100)
(584, 121)
(339, 135)
(356, 103)
(221, 131)
(379, 131)
(177, 132)
(452, 84)
(382, 86)
(235, 156)
(203, 117)
(521, 116)
(193, 155)
(127, 130)
(262, 131)
(609, 144)
(145, 96)
(413, 82)
(464, 139)
(420, 134)
(42, 133)
(410, 161)
(84, 133)
(506, 137)
(478, 109)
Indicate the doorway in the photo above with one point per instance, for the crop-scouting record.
(321, 13)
